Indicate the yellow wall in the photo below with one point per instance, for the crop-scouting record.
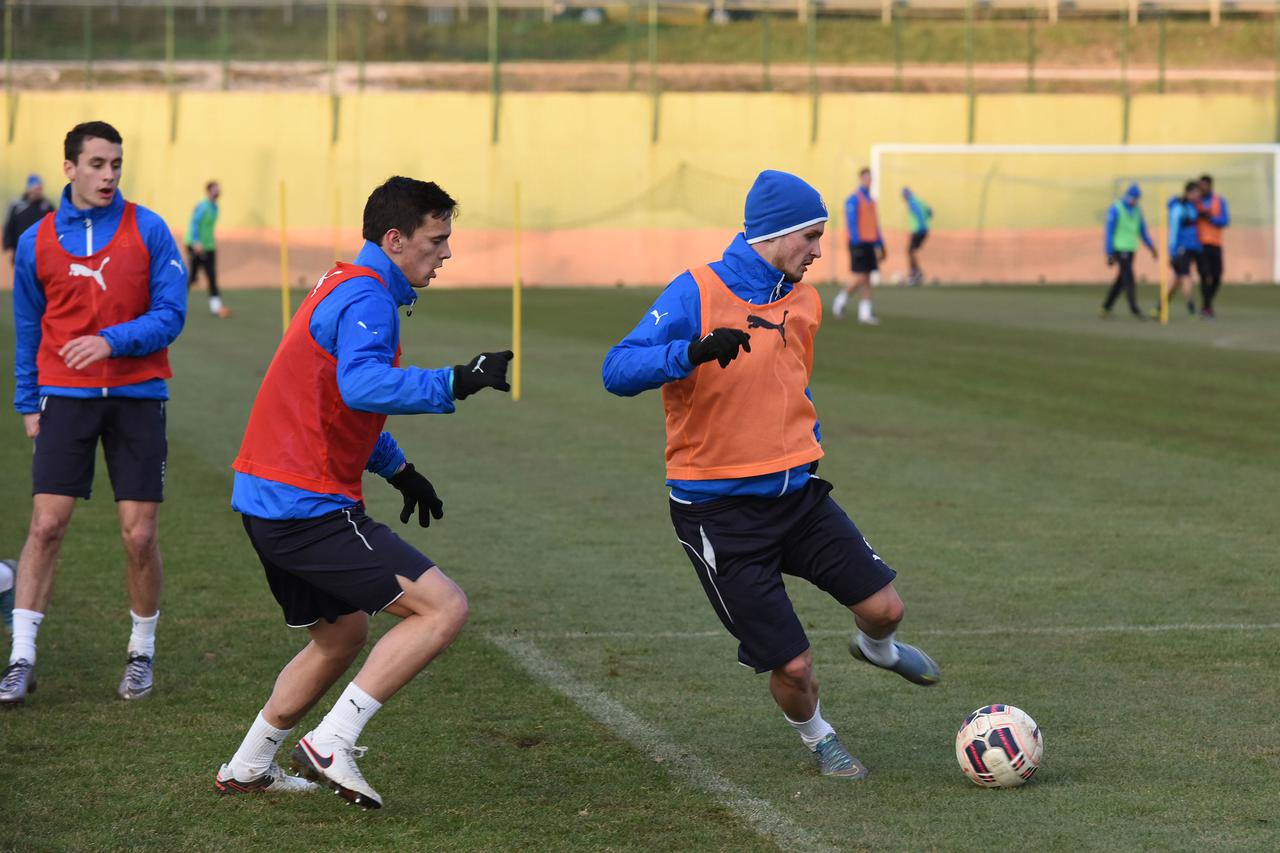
(584, 161)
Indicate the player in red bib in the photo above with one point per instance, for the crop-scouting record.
(315, 428)
(99, 294)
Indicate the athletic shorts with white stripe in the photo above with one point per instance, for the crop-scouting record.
(326, 567)
(741, 547)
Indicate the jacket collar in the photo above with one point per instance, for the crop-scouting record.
(754, 279)
(69, 214)
(398, 286)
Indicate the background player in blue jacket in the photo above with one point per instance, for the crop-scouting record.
(1184, 243)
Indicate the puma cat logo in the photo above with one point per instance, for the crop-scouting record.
(755, 322)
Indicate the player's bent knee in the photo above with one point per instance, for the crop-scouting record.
(434, 594)
(882, 611)
(798, 671)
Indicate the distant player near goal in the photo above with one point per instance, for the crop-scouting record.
(731, 345)
(1214, 216)
(315, 427)
(1184, 244)
(921, 215)
(1125, 227)
(99, 294)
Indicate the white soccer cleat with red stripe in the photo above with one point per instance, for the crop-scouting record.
(333, 763)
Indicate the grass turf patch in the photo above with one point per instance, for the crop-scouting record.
(1020, 462)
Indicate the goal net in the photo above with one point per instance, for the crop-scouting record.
(1037, 213)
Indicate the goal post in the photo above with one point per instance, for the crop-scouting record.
(1036, 213)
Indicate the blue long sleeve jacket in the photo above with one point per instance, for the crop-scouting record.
(851, 217)
(656, 352)
(359, 324)
(81, 233)
(1112, 217)
(1183, 234)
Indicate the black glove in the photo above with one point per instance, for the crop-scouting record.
(487, 370)
(1111, 259)
(418, 492)
(719, 345)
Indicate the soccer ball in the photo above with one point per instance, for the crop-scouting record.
(999, 746)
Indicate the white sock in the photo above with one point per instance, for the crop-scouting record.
(25, 625)
(348, 716)
(883, 651)
(838, 305)
(215, 304)
(813, 731)
(142, 640)
(257, 750)
(864, 309)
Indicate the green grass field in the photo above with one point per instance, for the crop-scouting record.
(1082, 513)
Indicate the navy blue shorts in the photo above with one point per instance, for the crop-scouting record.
(1183, 261)
(741, 547)
(133, 441)
(326, 567)
(863, 258)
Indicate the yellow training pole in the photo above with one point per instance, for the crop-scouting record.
(337, 223)
(1163, 277)
(285, 310)
(515, 295)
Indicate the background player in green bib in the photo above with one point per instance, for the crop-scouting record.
(920, 215)
(1125, 226)
(202, 246)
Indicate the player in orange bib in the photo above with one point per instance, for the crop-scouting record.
(731, 345)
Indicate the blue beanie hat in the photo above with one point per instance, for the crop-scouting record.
(779, 203)
(1133, 191)
(33, 181)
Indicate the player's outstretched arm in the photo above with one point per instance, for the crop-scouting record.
(361, 333)
(656, 351)
(487, 370)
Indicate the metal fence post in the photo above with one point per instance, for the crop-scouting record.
(968, 70)
(1160, 51)
(631, 45)
(224, 35)
(88, 46)
(766, 36)
(495, 71)
(653, 71)
(1124, 76)
(331, 19)
(899, 49)
(811, 39)
(8, 47)
(362, 48)
(1275, 97)
(168, 44)
(1031, 50)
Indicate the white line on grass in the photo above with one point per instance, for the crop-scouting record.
(759, 814)
(1051, 630)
